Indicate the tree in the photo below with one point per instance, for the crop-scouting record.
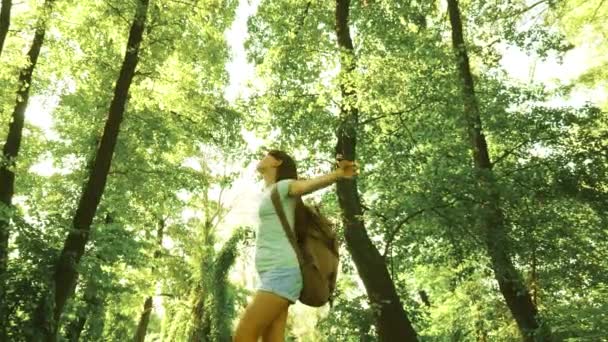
(391, 320)
(65, 272)
(491, 218)
(12, 145)
(5, 21)
(142, 326)
(213, 308)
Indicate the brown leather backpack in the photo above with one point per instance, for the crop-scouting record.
(317, 252)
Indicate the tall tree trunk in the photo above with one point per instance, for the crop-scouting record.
(509, 280)
(5, 21)
(142, 327)
(391, 320)
(13, 143)
(201, 328)
(218, 316)
(212, 323)
(91, 302)
(201, 322)
(65, 275)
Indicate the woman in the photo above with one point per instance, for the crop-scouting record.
(275, 260)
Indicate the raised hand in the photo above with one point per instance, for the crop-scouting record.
(347, 168)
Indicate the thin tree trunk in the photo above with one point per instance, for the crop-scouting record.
(392, 322)
(220, 326)
(13, 143)
(142, 327)
(202, 325)
(75, 327)
(212, 323)
(534, 280)
(201, 322)
(96, 321)
(512, 287)
(5, 21)
(65, 275)
(91, 301)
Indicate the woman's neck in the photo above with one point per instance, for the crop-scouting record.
(267, 186)
(269, 180)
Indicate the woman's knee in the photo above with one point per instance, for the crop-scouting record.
(276, 330)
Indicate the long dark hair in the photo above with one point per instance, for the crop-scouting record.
(288, 170)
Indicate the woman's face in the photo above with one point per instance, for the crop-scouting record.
(267, 162)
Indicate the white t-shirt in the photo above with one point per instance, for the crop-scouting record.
(272, 247)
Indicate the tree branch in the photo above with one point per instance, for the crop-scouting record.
(473, 236)
(304, 15)
(372, 119)
(400, 224)
(518, 146)
(118, 12)
(520, 12)
(508, 153)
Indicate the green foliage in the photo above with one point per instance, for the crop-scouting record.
(417, 187)
(419, 195)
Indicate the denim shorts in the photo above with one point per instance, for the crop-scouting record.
(284, 282)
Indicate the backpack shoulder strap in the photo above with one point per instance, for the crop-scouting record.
(290, 235)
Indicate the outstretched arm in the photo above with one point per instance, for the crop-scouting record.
(346, 169)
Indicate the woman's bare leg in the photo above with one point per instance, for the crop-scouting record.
(259, 314)
(276, 330)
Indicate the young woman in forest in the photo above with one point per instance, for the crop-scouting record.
(275, 260)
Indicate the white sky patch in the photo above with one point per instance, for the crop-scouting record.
(189, 213)
(553, 71)
(192, 163)
(579, 97)
(253, 142)
(168, 242)
(39, 112)
(44, 168)
(525, 67)
(183, 195)
(538, 150)
(239, 70)
(241, 199)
